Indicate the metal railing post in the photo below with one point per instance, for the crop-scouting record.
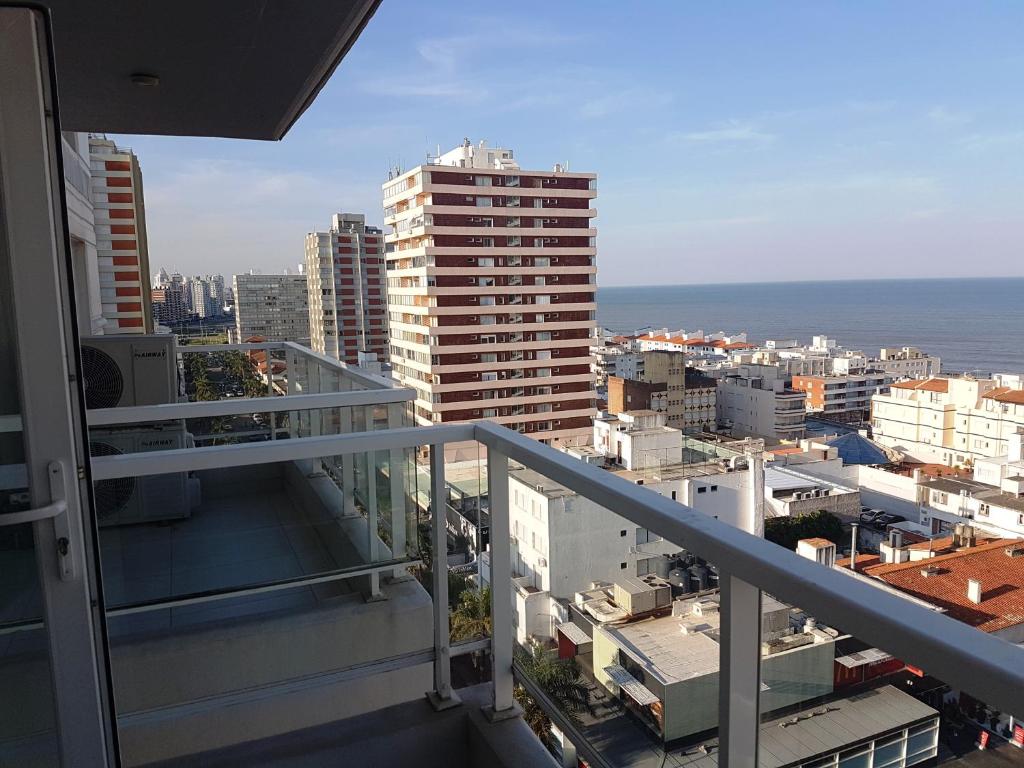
(501, 587)
(442, 697)
(739, 680)
(270, 370)
(291, 371)
(396, 472)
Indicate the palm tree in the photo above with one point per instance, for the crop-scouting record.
(472, 618)
(560, 679)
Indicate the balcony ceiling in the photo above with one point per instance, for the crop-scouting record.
(232, 68)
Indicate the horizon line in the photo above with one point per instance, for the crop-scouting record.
(831, 280)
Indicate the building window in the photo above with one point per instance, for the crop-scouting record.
(702, 489)
(622, 566)
(622, 533)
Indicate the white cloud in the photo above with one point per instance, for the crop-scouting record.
(980, 142)
(944, 116)
(731, 131)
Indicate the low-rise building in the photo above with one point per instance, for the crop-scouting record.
(950, 420)
(666, 669)
(638, 440)
(842, 398)
(753, 400)
(666, 384)
(906, 363)
(992, 499)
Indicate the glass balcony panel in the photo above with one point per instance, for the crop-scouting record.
(618, 655)
(280, 574)
(863, 705)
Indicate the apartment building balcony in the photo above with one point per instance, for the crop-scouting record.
(472, 210)
(521, 192)
(362, 646)
(227, 598)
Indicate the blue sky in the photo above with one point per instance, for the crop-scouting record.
(734, 142)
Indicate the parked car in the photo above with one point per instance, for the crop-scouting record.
(884, 521)
(869, 516)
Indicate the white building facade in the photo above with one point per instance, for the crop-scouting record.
(951, 421)
(753, 400)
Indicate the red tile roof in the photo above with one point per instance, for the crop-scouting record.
(1006, 395)
(1001, 577)
(929, 385)
(740, 345)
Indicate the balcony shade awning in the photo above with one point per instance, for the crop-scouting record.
(631, 686)
(231, 68)
(860, 658)
(574, 634)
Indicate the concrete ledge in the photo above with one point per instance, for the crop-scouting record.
(405, 734)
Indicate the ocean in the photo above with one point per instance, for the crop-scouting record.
(971, 324)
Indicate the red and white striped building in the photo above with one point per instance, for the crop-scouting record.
(121, 247)
(491, 282)
(347, 295)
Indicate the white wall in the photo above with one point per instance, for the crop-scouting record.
(82, 228)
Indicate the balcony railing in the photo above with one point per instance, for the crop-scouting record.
(987, 667)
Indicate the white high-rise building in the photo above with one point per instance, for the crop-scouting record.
(491, 280)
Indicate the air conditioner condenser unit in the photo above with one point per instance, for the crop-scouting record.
(121, 371)
(146, 499)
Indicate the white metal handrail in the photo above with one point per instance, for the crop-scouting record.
(955, 652)
(353, 373)
(237, 406)
(989, 668)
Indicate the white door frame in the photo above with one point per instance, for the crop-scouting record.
(31, 196)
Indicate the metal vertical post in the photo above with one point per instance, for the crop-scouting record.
(292, 372)
(270, 371)
(501, 587)
(396, 471)
(372, 512)
(271, 416)
(739, 680)
(442, 697)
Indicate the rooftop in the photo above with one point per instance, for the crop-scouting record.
(856, 449)
(676, 648)
(1001, 577)
(1005, 395)
(928, 385)
(956, 485)
(800, 736)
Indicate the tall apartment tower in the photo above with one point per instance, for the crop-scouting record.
(491, 280)
(273, 307)
(347, 294)
(121, 246)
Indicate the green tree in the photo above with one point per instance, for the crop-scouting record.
(560, 679)
(787, 531)
(471, 618)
